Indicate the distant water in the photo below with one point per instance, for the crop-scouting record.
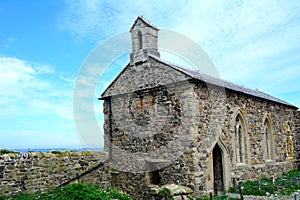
(45, 150)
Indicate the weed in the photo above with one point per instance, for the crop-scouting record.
(6, 151)
(74, 192)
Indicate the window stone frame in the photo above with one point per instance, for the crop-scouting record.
(268, 146)
(245, 139)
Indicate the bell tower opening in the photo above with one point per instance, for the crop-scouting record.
(140, 40)
(144, 40)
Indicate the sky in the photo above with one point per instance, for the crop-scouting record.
(43, 45)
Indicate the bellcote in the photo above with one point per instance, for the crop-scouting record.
(144, 40)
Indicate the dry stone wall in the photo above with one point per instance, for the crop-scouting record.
(41, 171)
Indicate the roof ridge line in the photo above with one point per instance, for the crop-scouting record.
(209, 79)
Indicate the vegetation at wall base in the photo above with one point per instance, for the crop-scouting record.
(74, 191)
(283, 186)
(221, 197)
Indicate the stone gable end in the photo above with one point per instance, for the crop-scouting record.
(144, 76)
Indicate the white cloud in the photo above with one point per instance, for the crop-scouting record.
(247, 40)
(36, 105)
(87, 13)
(34, 98)
(67, 78)
(14, 71)
(16, 77)
(98, 20)
(44, 69)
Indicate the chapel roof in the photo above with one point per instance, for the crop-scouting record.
(198, 75)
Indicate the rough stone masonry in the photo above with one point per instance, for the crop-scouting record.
(171, 125)
(35, 171)
(175, 131)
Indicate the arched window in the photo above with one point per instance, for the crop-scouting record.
(289, 146)
(268, 138)
(240, 140)
(140, 40)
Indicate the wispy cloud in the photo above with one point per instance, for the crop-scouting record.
(33, 97)
(247, 40)
(6, 42)
(98, 20)
(34, 85)
(82, 18)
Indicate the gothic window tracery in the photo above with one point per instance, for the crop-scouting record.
(289, 146)
(240, 140)
(268, 138)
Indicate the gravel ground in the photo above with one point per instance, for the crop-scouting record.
(250, 197)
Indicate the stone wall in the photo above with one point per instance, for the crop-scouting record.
(218, 109)
(148, 122)
(170, 192)
(143, 76)
(41, 171)
(152, 129)
(166, 125)
(297, 138)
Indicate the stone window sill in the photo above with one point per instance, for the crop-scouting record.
(242, 165)
(270, 162)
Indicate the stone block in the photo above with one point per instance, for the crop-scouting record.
(176, 198)
(172, 189)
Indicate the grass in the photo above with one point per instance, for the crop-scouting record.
(221, 197)
(285, 185)
(55, 152)
(73, 192)
(6, 151)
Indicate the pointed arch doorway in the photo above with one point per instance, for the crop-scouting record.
(218, 169)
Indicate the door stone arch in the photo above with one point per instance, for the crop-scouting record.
(220, 168)
(218, 171)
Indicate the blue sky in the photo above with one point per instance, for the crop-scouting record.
(44, 43)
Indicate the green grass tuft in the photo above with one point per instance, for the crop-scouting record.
(285, 185)
(75, 191)
(6, 151)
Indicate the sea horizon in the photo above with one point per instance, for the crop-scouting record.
(48, 149)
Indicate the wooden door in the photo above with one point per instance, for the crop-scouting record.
(218, 169)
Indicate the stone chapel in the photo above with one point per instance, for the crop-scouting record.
(164, 124)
